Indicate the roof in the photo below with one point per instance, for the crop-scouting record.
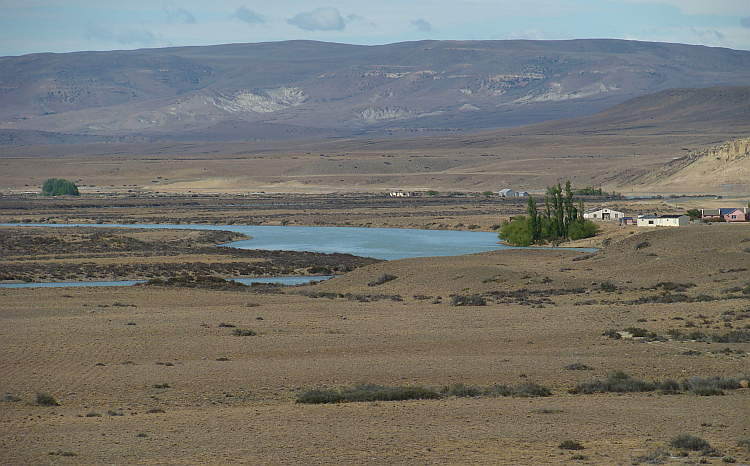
(672, 216)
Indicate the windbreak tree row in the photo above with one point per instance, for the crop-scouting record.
(560, 219)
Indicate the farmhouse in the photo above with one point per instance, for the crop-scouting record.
(673, 221)
(728, 214)
(663, 221)
(603, 213)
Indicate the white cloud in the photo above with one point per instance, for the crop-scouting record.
(422, 25)
(180, 16)
(249, 16)
(320, 19)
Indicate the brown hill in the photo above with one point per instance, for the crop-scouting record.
(305, 90)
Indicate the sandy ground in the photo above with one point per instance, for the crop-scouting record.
(153, 375)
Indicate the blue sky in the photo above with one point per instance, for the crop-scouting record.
(33, 26)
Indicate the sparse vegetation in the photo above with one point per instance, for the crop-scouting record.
(45, 399)
(470, 300)
(62, 453)
(244, 333)
(571, 445)
(577, 366)
(620, 382)
(385, 278)
(690, 443)
(374, 392)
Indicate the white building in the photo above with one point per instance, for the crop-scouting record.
(603, 213)
(663, 221)
(646, 220)
(507, 192)
(673, 221)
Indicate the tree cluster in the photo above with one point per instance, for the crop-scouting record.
(59, 187)
(559, 220)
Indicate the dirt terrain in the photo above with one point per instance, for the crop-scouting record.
(175, 375)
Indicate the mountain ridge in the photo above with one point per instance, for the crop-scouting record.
(306, 89)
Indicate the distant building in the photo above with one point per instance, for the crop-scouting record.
(602, 213)
(507, 192)
(663, 221)
(627, 221)
(673, 221)
(646, 220)
(729, 214)
(399, 194)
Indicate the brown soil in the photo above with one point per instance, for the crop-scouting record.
(115, 358)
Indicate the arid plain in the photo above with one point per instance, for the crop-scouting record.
(156, 374)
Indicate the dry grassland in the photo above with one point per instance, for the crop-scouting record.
(154, 375)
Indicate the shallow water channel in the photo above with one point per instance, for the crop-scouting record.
(380, 243)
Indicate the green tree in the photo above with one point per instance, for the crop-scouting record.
(535, 222)
(59, 187)
(517, 231)
(560, 219)
(694, 214)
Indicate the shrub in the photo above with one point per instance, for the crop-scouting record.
(577, 366)
(319, 396)
(45, 399)
(461, 391)
(59, 187)
(366, 392)
(62, 453)
(710, 386)
(155, 411)
(607, 286)
(690, 442)
(374, 392)
(571, 445)
(11, 398)
(617, 381)
(530, 389)
(385, 278)
(244, 333)
(657, 456)
(471, 300)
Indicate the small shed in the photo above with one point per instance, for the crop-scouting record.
(507, 192)
(627, 221)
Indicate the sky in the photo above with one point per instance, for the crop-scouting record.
(33, 26)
